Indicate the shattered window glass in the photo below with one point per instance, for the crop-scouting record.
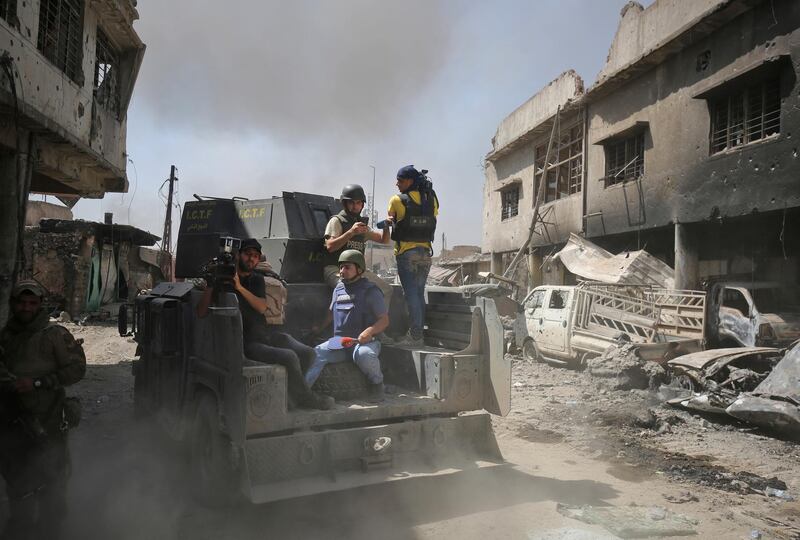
(624, 159)
(536, 300)
(745, 116)
(61, 34)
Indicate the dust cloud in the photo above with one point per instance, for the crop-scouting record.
(335, 71)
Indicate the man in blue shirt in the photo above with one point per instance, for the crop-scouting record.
(359, 314)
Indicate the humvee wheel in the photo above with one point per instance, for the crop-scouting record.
(530, 352)
(212, 457)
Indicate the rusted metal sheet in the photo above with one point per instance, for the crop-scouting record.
(589, 261)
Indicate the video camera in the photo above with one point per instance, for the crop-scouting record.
(219, 271)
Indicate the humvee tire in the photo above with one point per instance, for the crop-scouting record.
(343, 381)
(212, 463)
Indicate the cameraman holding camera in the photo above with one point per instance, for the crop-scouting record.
(262, 343)
(349, 230)
(412, 214)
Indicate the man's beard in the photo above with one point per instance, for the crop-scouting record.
(243, 267)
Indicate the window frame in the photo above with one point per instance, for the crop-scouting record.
(624, 158)
(8, 11)
(506, 207)
(60, 37)
(751, 113)
(565, 170)
(107, 65)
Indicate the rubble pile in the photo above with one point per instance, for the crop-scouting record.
(621, 368)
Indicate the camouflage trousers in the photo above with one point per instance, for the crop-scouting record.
(35, 473)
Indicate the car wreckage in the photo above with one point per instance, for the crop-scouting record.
(759, 385)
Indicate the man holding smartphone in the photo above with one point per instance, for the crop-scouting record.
(349, 230)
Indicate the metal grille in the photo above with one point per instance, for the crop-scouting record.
(746, 116)
(510, 201)
(565, 170)
(61, 34)
(625, 160)
(106, 67)
(8, 10)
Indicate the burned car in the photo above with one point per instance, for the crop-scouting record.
(713, 379)
(775, 403)
(752, 314)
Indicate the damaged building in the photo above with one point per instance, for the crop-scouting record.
(686, 146)
(68, 72)
(87, 267)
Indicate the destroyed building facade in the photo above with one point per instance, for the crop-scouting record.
(686, 146)
(87, 267)
(68, 72)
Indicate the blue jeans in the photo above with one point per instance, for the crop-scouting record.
(413, 267)
(365, 356)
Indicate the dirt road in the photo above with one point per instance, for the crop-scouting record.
(568, 440)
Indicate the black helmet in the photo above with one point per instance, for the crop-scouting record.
(353, 192)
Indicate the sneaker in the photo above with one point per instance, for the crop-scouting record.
(318, 401)
(375, 393)
(385, 340)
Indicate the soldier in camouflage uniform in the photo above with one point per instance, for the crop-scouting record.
(37, 360)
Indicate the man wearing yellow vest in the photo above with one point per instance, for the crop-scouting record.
(413, 214)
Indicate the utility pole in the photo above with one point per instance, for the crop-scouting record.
(166, 239)
(372, 217)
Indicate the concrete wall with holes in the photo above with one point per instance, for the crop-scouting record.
(81, 144)
(684, 181)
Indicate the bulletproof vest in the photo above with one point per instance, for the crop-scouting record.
(419, 223)
(358, 242)
(350, 311)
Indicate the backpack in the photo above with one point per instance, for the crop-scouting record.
(277, 296)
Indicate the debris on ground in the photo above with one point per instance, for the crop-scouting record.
(621, 368)
(566, 533)
(682, 497)
(633, 521)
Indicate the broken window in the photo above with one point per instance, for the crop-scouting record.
(509, 199)
(60, 35)
(735, 299)
(745, 115)
(536, 300)
(8, 11)
(565, 167)
(106, 67)
(558, 299)
(624, 159)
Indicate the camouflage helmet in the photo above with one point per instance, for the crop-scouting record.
(353, 256)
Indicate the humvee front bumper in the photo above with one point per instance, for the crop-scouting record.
(288, 466)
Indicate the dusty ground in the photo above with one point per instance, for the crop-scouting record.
(568, 439)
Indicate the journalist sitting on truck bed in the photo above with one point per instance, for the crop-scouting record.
(262, 343)
(359, 314)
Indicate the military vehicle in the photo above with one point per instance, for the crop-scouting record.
(193, 378)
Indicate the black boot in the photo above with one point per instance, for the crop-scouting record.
(313, 400)
(375, 393)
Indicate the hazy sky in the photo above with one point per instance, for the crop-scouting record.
(261, 97)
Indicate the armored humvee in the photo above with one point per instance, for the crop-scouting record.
(192, 376)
